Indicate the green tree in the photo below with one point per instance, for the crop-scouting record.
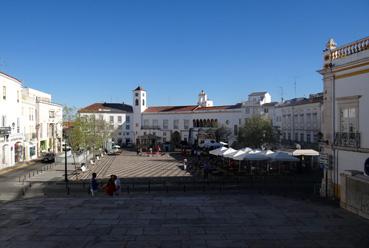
(257, 132)
(222, 134)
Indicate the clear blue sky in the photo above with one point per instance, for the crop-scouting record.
(87, 51)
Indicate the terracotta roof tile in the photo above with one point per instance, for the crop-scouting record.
(107, 108)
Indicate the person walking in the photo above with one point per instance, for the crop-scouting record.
(94, 185)
(118, 188)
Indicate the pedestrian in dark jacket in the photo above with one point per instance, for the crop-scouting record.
(94, 185)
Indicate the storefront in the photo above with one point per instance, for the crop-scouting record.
(18, 152)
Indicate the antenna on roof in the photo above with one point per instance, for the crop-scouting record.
(281, 88)
(295, 85)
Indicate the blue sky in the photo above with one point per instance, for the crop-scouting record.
(89, 51)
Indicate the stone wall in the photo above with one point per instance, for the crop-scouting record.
(355, 192)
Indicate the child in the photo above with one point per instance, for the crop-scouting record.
(93, 184)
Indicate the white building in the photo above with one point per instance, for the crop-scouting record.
(11, 130)
(345, 112)
(44, 125)
(156, 124)
(23, 111)
(146, 124)
(299, 120)
(118, 115)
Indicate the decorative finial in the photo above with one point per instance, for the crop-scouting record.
(331, 44)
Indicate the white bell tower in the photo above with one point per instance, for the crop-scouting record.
(203, 100)
(139, 106)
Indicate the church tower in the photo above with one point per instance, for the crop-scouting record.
(139, 106)
(203, 100)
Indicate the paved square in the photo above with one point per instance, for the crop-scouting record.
(128, 165)
(187, 220)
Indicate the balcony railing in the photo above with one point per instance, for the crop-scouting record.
(151, 127)
(4, 131)
(347, 139)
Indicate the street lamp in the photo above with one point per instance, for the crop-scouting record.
(65, 167)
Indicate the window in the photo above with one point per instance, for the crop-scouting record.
(3, 121)
(239, 122)
(101, 117)
(348, 119)
(176, 124)
(146, 123)
(302, 137)
(51, 114)
(235, 131)
(302, 121)
(247, 110)
(155, 123)
(186, 124)
(128, 127)
(18, 125)
(4, 92)
(296, 136)
(308, 119)
(136, 94)
(165, 124)
(227, 122)
(119, 119)
(164, 140)
(308, 138)
(136, 102)
(164, 134)
(266, 110)
(143, 102)
(154, 133)
(128, 119)
(289, 136)
(111, 119)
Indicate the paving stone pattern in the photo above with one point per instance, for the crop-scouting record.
(129, 165)
(187, 220)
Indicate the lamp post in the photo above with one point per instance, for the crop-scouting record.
(65, 167)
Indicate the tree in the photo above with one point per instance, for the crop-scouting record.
(257, 132)
(175, 139)
(222, 134)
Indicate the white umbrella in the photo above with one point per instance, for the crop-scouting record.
(256, 156)
(305, 152)
(230, 154)
(246, 149)
(267, 152)
(254, 151)
(228, 151)
(218, 151)
(223, 143)
(283, 156)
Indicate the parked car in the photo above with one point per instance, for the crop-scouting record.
(48, 158)
(67, 147)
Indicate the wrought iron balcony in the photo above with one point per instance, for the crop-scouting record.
(151, 127)
(347, 139)
(4, 131)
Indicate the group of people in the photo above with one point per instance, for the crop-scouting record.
(111, 188)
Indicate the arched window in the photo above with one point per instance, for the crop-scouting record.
(143, 102)
(136, 102)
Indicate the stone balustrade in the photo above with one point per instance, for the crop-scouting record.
(349, 49)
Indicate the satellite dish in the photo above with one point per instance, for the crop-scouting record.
(366, 167)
